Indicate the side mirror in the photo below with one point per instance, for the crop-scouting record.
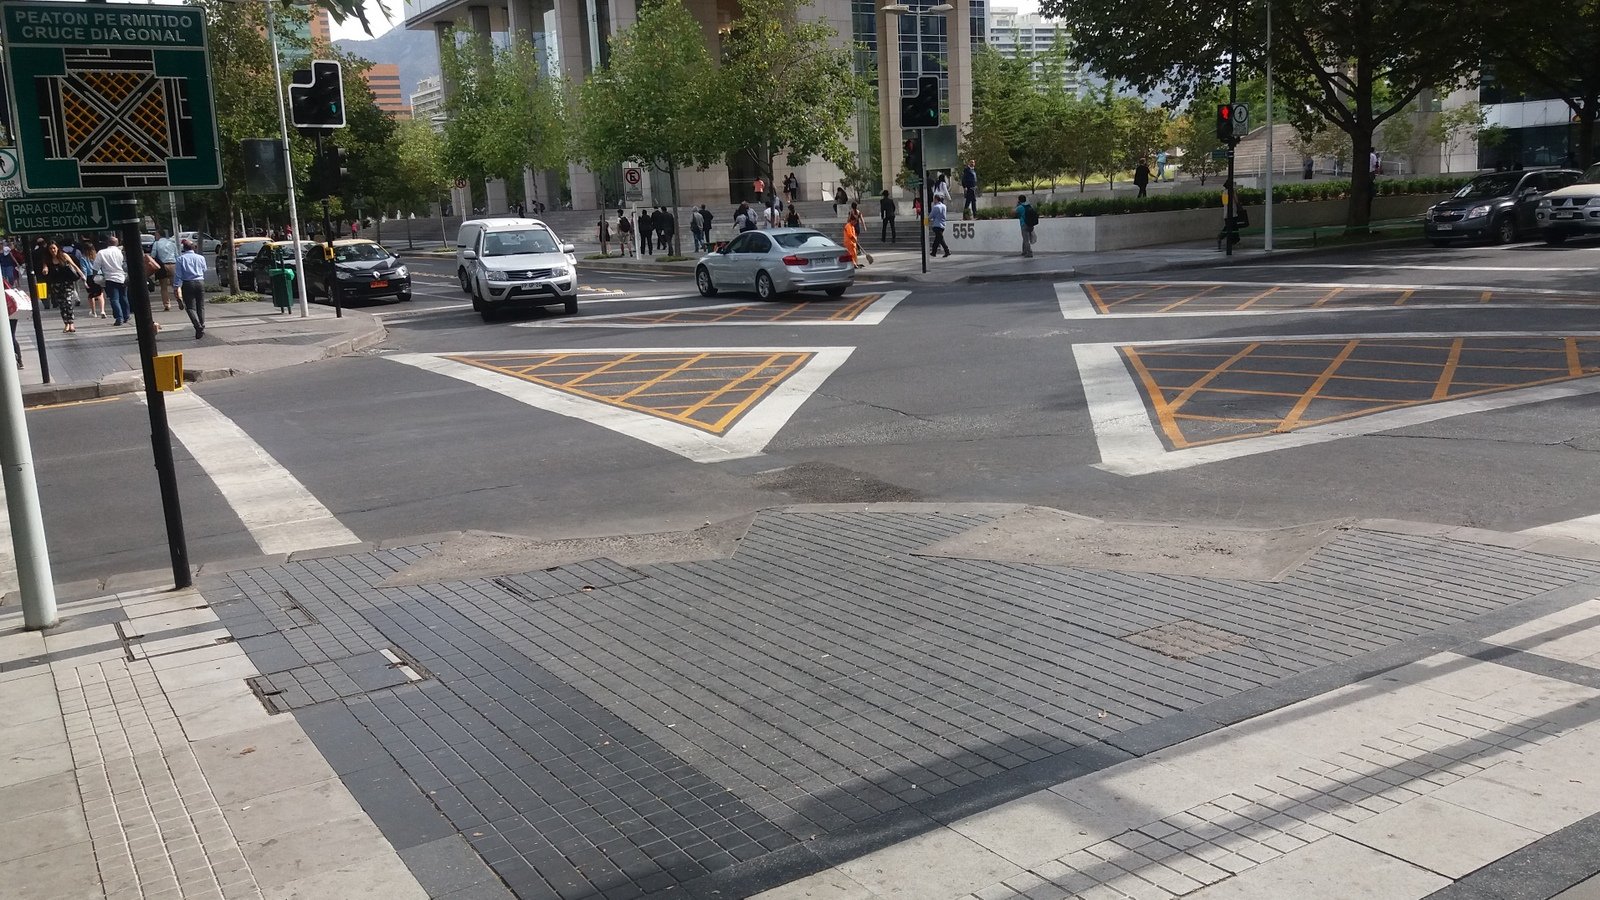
(568, 248)
(469, 254)
(395, 254)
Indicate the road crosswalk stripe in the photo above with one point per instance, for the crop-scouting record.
(280, 513)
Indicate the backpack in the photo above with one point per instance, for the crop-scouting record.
(624, 226)
(1030, 215)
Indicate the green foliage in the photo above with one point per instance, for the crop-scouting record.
(1354, 67)
(1553, 48)
(786, 85)
(1282, 193)
(419, 173)
(1196, 137)
(369, 140)
(504, 114)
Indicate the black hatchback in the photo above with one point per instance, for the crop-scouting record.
(360, 270)
(1498, 206)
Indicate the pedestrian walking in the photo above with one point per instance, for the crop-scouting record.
(744, 219)
(886, 214)
(859, 222)
(1161, 165)
(666, 227)
(791, 187)
(603, 232)
(772, 218)
(941, 188)
(792, 218)
(761, 189)
(93, 280)
(355, 229)
(969, 190)
(165, 252)
(1308, 169)
(1141, 176)
(625, 233)
(647, 232)
(936, 216)
(61, 274)
(840, 198)
(190, 271)
(697, 229)
(8, 264)
(852, 241)
(1028, 219)
(1232, 216)
(705, 222)
(114, 270)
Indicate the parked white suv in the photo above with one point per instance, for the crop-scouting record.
(509, 262)
(1572, 210)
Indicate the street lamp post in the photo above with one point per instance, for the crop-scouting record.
(288, 167)
(905, 12)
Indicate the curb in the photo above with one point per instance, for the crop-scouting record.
(129, 381)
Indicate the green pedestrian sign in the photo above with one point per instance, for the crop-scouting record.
(110, 97)
(45, 215)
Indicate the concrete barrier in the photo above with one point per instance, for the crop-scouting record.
(1086, 234)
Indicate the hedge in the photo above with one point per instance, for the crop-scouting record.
(1129, 202)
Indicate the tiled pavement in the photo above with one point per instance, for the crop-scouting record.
(828, 708)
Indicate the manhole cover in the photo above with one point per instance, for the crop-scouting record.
(1184, 639)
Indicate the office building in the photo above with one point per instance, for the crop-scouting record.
(1030, 36)
(383, 79)
(427, 101)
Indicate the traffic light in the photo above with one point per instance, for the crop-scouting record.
(328, 173)
(316, 96)
(921, 110)
(913, 156)
(1224, 122)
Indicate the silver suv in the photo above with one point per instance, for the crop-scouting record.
(511, 262)
(1571, 210)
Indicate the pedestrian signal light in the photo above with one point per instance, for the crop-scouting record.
(913, 156)
(1224, 122)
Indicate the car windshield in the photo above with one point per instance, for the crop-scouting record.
(805, 240)
(515, 243)
(285, 253)
(1592, 176)
(251, 248)
(360, 253)
(1486, 186)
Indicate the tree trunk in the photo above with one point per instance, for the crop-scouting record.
(672, 181)
(1586, 123)
(1362, 187)
(232, 275)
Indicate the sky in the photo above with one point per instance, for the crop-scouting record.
(352, 28)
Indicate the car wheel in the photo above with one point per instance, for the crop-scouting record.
(570, 307)
(466, 283)
(478, 306)
(1505, 230)
(702, 280)
(765, 289)
(1555, 237)
(838, 290)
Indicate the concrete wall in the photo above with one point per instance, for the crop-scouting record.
(1087, 234)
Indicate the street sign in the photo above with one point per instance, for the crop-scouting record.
(43, 215)
(1219, 154)
(633, 184)
(110, 97)
(461, 184)
(1241, 120)
(10, 184)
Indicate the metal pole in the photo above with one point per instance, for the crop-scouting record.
(38, 320)
(922, 170)
(125, 213)
(327, 235)
(1230, 218)
(288, 166)
(172, 214)
(1267, 219)
(34, 580)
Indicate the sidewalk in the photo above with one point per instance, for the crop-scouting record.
(242, 337)
(830, 702)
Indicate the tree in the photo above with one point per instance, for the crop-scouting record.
(1197, 138)
(1140, 131)
(1002, 89)
(1556, 51)
(1453, 124)
(1089, 140)
(656, 102)
(1325, 143)
(369, 140)
(504, 115)
(788, 85)
(1353, 64)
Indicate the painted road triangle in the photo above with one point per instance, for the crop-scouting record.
(866, 309)
(706, 404)
(1173, 404)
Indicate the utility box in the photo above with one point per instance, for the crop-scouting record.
(169, 372)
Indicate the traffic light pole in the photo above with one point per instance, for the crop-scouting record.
(327, 235)
(1230, 215)
(922, 189)
(288, 166)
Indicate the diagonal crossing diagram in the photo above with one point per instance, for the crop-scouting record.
(704, 403)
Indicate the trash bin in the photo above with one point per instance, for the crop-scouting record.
(282, 288)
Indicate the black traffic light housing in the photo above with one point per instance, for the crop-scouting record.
(913, 156)
(328, 173)
(921, 110)
(316, 96)
(1224, 122)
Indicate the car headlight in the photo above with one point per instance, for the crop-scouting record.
(1478, 212)
(401, 273)
(1593, 202)
(1545, 203)
(560, 272)
(494, 274)
(342, 275)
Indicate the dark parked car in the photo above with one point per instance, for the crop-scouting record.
(241, 257)
(359, 270)
(276, 255)
(1498, 206)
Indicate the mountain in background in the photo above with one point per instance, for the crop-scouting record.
(413, 51)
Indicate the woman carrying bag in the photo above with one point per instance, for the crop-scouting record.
(61, 275)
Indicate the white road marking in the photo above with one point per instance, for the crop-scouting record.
(872, 315)
(1349, 285)
(277, 509)
(747, 437)
(1074, 302)
(1585, 528)
(1424, 268)
(1130, 444)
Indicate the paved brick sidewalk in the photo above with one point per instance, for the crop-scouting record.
(836, 705)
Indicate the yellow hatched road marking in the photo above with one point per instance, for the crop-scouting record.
(1293, 418)
(1442, 389)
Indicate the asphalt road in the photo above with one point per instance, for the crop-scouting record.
(1262, 407)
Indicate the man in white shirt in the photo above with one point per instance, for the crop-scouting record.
(114, 266)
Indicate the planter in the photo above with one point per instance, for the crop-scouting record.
(1086, 234)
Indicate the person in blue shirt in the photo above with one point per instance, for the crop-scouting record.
(190, 271)
(1161, 165)
(936, 218)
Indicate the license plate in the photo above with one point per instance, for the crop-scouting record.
(1566, 215)
(1444, 228)
(378, 284)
